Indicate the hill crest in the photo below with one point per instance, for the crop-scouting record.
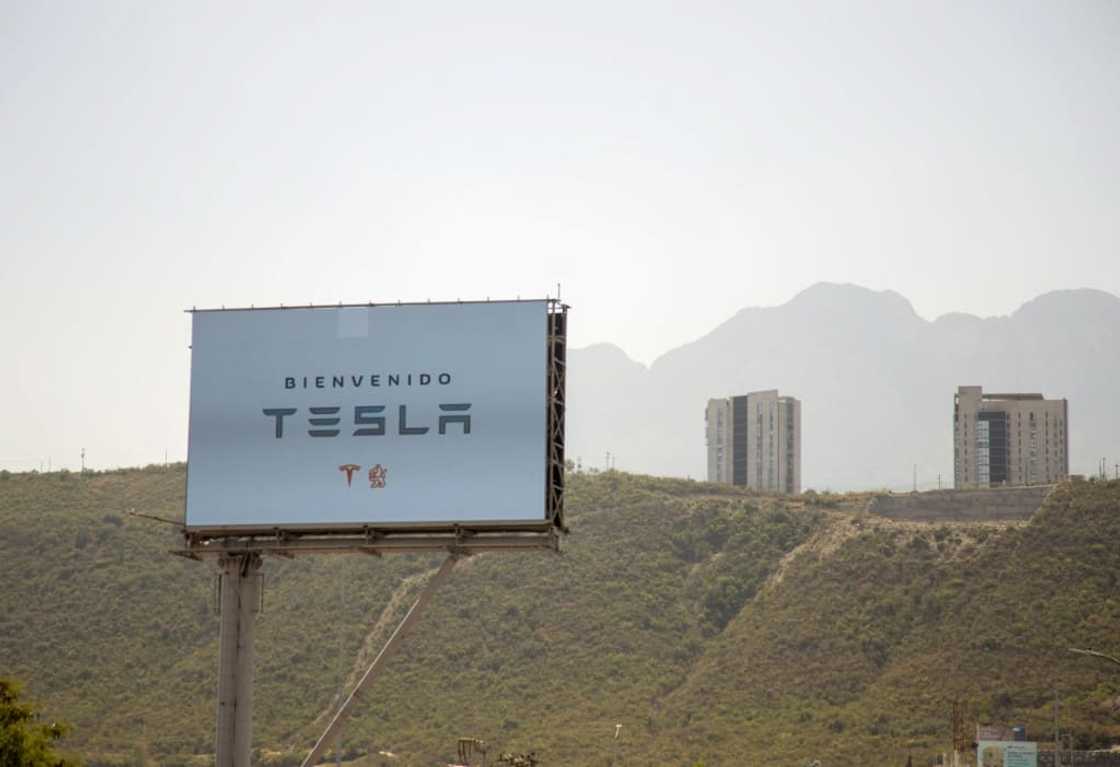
(715, 624)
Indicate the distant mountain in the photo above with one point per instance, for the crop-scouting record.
(876, 382)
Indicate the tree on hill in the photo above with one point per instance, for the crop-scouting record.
(24, 741)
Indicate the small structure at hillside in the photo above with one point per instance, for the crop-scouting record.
(990, 505)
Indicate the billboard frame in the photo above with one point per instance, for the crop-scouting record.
(238, 553)
(385, 537)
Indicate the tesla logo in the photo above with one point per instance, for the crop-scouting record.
(377, 474)
(349, 468)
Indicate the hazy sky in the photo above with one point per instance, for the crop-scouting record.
(669, 163)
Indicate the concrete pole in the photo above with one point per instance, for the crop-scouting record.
(227, 659)
(240, 602)
(249, 605)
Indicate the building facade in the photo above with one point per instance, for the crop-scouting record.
(755, 440)
(1008, 439)
(717, 432)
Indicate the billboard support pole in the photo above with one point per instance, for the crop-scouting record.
(326, 740)
(240, 603)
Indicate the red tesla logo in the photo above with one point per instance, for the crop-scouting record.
(349, 468)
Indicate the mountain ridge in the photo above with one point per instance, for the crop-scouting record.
(1105, 295)
(843, 349)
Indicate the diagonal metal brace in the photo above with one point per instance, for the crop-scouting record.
(327, 739)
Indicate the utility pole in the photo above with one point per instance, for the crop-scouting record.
(959, 736)
(83, 460)
(915, 478)
(1057, 743)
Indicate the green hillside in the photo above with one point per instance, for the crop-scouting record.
(714, 625)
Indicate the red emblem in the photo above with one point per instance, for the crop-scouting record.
(377, 474)
(349, 468)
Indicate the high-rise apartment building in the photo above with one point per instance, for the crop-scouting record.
(755, 440)
(717, 434)
(1008, 439)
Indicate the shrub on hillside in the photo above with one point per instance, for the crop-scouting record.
(24, 740)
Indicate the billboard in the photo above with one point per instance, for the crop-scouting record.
(1006, 753)
(402, 416)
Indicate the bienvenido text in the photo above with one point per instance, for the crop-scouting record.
(366, 381)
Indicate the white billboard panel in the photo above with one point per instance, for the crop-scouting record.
(368, 415)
